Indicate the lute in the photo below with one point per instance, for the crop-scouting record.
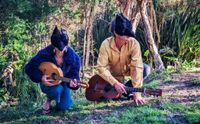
(56, 74)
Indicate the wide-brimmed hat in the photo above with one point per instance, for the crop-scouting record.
(59, 38)
(122, 26)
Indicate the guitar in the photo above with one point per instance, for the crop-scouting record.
(99, 88)
(56, 74)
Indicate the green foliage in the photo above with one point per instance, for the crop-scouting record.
(24, 24)
(168, 56)
(33, 10)
(135, 115)
(174, 107)
(41, 28)
(101, 28)
(70, 12)
(17, 36)
(13, 47)
(180, 31)
(193, 117)
(8, 9)
(187, 65)
(24, 6)
(190, 112)
(152, 84)
(179, 27)
(146, 53)
(156, 78)
(107, 112)
(23, 114)
(196, 81)
(27, 90)
(3, 60)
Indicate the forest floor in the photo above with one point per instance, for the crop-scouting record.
(180, 103)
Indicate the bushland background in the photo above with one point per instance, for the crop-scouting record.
(26, 27)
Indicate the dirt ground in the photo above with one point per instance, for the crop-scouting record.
(179, 90)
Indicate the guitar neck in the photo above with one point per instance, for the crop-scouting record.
(131, 89)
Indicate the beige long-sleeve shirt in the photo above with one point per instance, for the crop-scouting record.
(114, 64)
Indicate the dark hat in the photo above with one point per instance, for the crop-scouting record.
(59, 38)
(122, 26)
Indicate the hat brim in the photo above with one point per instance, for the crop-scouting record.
(127, 33)
(130, 34)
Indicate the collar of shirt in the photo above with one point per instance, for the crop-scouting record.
(113, 44)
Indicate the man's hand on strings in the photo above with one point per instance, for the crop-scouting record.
(120, 88)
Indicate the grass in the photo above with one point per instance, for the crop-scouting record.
(137, 114)
(191, 113)
(33, 119)
(196, 81)
(157, 77)
(119, 112)
(152, 84)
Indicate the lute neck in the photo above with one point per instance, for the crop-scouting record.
(64, 79)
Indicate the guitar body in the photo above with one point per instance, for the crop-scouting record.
(49, 68)
(99, 88)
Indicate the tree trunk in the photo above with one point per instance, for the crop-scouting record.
(154, 24)
(136, 19)
(149, 36)
(89, 17)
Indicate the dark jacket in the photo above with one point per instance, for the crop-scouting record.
(70, 67)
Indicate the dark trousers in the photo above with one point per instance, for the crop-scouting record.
(146, 72)
(60, 93)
